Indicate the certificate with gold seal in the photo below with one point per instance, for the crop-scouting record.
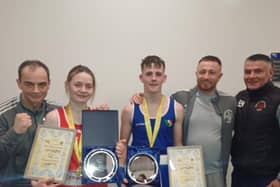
(50, 153)
(185, 166)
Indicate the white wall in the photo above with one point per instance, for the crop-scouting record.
(112, 37)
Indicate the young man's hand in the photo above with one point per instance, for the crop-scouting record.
(121, 150)
(137, 98)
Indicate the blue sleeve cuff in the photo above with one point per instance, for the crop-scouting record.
(121, 174)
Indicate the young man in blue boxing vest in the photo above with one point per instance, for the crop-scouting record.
(157, 122)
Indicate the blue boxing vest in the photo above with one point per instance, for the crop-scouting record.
(165, 133)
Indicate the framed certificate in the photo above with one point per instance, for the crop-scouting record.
(50, 153)
(185, 165)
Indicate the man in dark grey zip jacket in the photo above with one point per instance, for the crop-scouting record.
(209, 119)
(19, 118)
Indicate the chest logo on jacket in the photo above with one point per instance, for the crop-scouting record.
(260, 105)
(228, 115)
(240, 103)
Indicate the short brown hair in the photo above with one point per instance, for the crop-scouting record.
(261, 57)
(32, 64)
(210, 58)
(152, 59)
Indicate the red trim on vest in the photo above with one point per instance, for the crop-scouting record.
(74, 163)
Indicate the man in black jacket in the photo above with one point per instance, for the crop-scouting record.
(256, 142)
